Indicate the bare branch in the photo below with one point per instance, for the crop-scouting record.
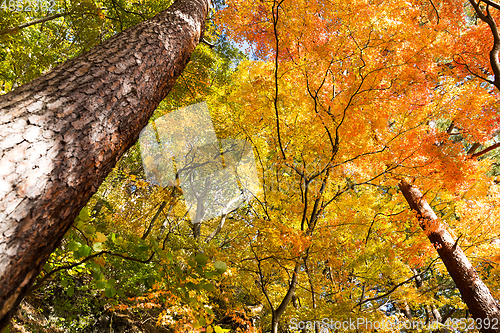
(275, 28)
(223, 219)
(484, 151)
(473, 148)
(49, 274)
(435, 9)
(163, 204)
(204, 41)
(492, 4)
(495, 51)
(28, 24)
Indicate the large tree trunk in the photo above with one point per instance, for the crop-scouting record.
(61, 134)
(474, 292)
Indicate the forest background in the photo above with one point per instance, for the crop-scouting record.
(340, 101)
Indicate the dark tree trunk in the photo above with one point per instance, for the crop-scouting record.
(61, 134)
(474, 292)
(276, 313)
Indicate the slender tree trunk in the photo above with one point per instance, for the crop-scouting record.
(61, 134)
(274, 324)
(311, 285)
(406, 310)
(151, 224)
(276, 314)
(474, 292)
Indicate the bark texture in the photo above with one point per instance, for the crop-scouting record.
(61, 134)
(474, 292)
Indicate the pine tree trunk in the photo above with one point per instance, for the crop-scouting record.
(61, 134)
(474, 292)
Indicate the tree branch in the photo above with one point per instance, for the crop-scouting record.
(495, 50)
(163, 204)
(473, 148)
(435, 9)
(46, 276)
(491, 3)
(28, 24)
(223, 219)
(484, 151)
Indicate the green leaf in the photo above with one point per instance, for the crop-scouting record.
(97, 247)
(142, 248)
(209, 287)
(101, 284)
(192, 263)
(98, 276)
(77, 254)
(110, 292)
(111, 283)
(64, 283)
(79, 224)
(74, 246)
(84, 215)
(202, 321)
(95, 267)
(90, 229)
(150, 281)
(85, 250)
(192, 285)
(220, 266)
(70, 291)
(201, 259)
(118, 240)
(209, 275)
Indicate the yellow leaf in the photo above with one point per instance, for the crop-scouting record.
(100, 237)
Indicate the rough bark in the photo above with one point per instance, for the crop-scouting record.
(61, 134)
(474, 292)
